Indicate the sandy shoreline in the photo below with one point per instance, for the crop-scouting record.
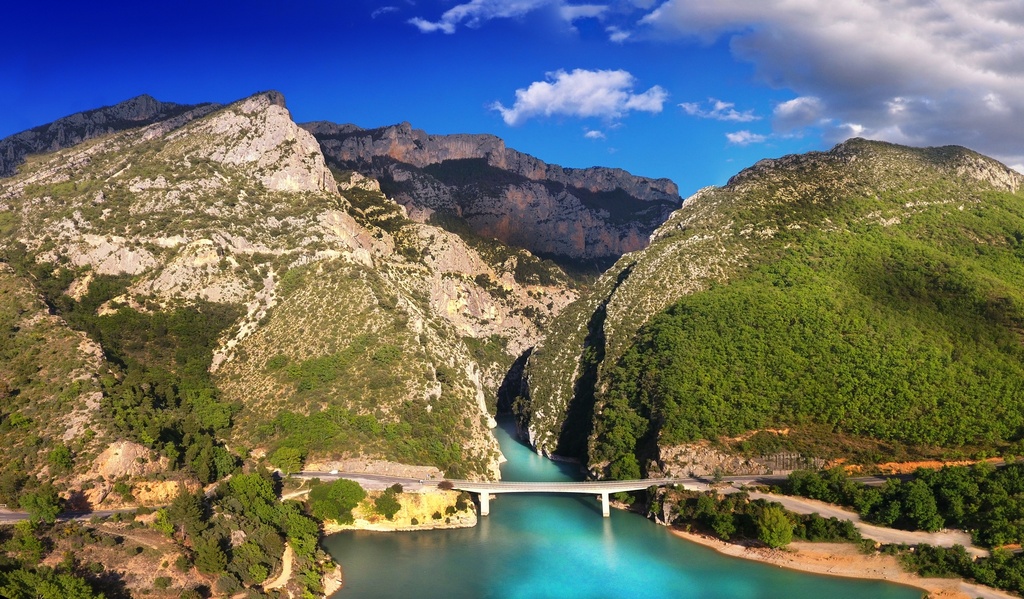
(845, 560)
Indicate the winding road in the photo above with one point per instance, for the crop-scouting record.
(800, 505)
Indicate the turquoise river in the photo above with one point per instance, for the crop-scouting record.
(537, 546)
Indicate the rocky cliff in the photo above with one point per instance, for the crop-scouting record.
(731, 320)
(218, 286)
(76, 128)
(584, 215)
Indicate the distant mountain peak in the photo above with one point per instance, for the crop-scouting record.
(71, 130)
(589, 215)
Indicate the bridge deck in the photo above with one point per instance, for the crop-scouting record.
(588, 487)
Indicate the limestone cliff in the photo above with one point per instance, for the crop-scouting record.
(355, 333)
(584, 215)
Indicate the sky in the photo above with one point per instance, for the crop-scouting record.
(692, 90)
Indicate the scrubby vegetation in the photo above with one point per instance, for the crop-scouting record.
(735, 516)
(26, 581)
(335, 371)
(905, 334)
(1002, 570)
(986, 501)
(162, 396)
(234, 536)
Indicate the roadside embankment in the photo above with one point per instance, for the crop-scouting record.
(424, 509)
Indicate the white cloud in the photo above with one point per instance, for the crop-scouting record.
(476, 12)
(383, 11)
(570, 13)
(798, 113)
(594, 134)
(582, 93)
(922, 72)
(745, 138)
(617, 35)
(719, 111)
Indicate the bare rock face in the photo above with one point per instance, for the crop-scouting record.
(265, 140)
(76, 128)
(125, 458)
(593, 214)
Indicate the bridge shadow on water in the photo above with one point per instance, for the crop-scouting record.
(526, 465)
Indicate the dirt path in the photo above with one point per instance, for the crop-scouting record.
(286, 570)
(143, 540)
(294, 494)
(943, 538)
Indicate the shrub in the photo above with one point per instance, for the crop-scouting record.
(387, 504)
(774, 528)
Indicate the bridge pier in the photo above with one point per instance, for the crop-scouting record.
(604, 505)
(485, 503)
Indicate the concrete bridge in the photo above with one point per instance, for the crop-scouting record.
(591, 487)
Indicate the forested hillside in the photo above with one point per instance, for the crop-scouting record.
(864, 303)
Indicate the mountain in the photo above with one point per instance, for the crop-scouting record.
(574, 216)
(202, 289)
(864, 303)
(71, 130)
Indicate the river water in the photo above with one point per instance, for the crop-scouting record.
(540, 546)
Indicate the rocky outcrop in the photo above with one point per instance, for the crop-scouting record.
(593, 214)
(262, 138)
(72, 130)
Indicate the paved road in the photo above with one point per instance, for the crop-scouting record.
(373, 482)
(590, 486)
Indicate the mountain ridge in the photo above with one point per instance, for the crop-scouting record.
(228, 225)
(591, 214)
(82, 126)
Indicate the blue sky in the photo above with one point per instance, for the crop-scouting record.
(686, 89)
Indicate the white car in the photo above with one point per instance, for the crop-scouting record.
(333, 472)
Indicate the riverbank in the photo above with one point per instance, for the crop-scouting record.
(845, 560)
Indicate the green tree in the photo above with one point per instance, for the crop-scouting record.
(163, 523)
(25, 543)
(42, 505)
(210, 558)
(774, 528)
(60, 458)
(335, 501)
(44, 583)
(288, 459)
(12, 481)
(920, 507)
(386, 504)
(256, 495)
(303, 532)
(188, 512)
